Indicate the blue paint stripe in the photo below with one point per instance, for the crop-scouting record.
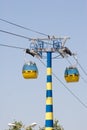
(49, 123)
(49, 108)
(49, 93)
(49, 64)
(49, 78)
(48, 59)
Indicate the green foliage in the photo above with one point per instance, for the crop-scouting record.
(17, 126)
(57, 126)
(28, 128)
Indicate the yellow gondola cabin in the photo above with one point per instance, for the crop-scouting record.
(71, 74)
(30, 70)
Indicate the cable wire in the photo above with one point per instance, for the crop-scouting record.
(80, 66)
(21, 36)
(20, 26)
(52, 73)
(16, 47)
(79, 74)
(5, 45)
(74, 95)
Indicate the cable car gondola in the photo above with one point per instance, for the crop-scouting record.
(30, 70)
(71, 74)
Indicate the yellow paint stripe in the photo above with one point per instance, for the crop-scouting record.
(49, 116)
(49, 128)
(49, 86)
(49, 101)
(49, 71)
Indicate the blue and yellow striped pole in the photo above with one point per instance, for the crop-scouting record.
(49, 99)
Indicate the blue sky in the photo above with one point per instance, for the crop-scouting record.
(24, 100)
